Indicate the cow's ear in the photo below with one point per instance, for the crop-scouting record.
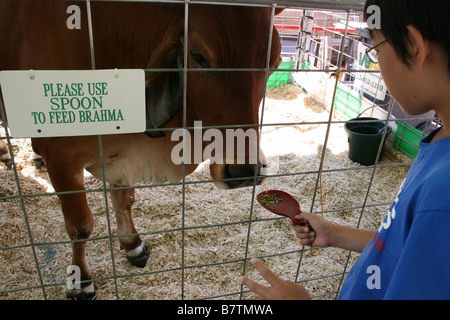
(165, 89)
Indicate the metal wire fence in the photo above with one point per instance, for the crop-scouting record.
(203, 249)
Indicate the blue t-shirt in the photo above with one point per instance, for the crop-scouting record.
(409, 257)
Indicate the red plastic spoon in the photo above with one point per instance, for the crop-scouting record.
(281, 203)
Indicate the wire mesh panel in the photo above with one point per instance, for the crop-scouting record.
(201, 237)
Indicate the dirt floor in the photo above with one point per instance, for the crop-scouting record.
(200, 252)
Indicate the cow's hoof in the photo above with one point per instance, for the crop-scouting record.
(8, 163)
(38, 162)
(86, 293)
(141, 259)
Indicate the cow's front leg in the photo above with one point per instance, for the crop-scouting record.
(79, 223)
(79, 226)
(78, 229)
(137, 251)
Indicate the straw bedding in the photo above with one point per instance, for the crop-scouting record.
(217, 234)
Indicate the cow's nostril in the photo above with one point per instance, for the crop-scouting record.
(242, 175)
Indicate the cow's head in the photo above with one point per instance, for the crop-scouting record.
(219, 37)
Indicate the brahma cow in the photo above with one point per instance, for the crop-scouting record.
(34, 35)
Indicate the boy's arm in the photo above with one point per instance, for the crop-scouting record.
(328, 234)
(351, 238)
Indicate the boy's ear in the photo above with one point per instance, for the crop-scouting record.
(420, 47)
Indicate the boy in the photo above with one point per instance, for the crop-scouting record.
(408, 257)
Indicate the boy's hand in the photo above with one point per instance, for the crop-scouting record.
(280, 289)
(328, 234)
(319, 236)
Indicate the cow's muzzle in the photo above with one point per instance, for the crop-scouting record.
(232, 176)
(238, 176)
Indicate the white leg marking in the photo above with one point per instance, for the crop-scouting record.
(136, 251)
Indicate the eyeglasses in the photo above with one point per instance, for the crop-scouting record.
(372, 56)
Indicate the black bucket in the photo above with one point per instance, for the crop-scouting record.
(364, 139)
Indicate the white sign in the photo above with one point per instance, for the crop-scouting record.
(74, 103)
(370, 83)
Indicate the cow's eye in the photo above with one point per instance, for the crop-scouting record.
(200, 59)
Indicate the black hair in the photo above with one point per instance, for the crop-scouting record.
(430, 17)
